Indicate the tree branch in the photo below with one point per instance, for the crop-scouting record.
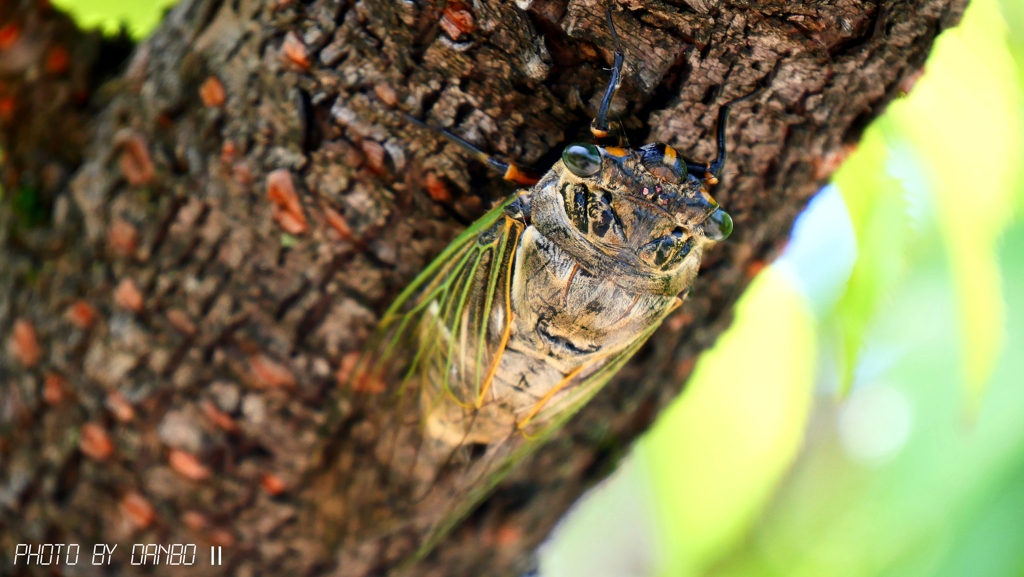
(249, 197)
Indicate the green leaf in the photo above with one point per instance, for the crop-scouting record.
(877, 208)
(972, 156)
(716, 455)
(139, 16)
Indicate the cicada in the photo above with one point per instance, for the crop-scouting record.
(531, 310)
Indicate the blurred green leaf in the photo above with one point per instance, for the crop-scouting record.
(139, 16)
(744, 411)
(946, 501)
(877, 208)
(972, 157)
(966, 165)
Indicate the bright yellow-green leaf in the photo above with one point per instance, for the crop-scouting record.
(139, 16)
(877, 209)
(716, 455)
(963, 121)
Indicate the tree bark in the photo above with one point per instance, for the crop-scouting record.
(194, 251)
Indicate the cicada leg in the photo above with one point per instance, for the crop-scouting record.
(509, 171)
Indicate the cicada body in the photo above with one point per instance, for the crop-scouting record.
(519, 321)
(528, 313)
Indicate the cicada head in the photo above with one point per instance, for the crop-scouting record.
(655, 174)
(639, 206)
(682, 194)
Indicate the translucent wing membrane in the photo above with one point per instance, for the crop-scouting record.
(454, 319)
(435, 352)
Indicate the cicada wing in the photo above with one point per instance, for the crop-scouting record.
(438, 346)
(486, 472)
(445, 317)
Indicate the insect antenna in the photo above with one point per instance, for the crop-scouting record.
(713, 171)
(509, 171)
(600, 127)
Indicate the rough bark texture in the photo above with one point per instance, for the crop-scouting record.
(193, 253)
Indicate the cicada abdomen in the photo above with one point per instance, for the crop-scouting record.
(531, 310)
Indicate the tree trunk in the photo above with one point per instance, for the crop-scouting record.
(193, 252)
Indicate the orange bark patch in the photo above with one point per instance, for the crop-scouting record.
(374, 155)
(754, 268)
(368, 382)
(54, 389)
(23, 343)
(685, 367)
(212, 93)
(128, 296)
(508, 534)
(295, 50)
(137, 510)
(120, 407)
(588, 51)
(218, 417)
(194, 520)
(122, 237)
(95, 442)
(136, 163)
(187, 465)
(287, 208)
(338, 223)
(457, 20)
(386, 94)
(222, 537)
(828, 164)
(228, 151)
(180, 320)
(273, 484)
(81, 314)
(437, 189)
(348, 364)
(9, 34)
(269, 373)
(58, 59)
(7, 105)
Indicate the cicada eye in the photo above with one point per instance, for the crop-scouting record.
(582, 159)
(718, 226)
